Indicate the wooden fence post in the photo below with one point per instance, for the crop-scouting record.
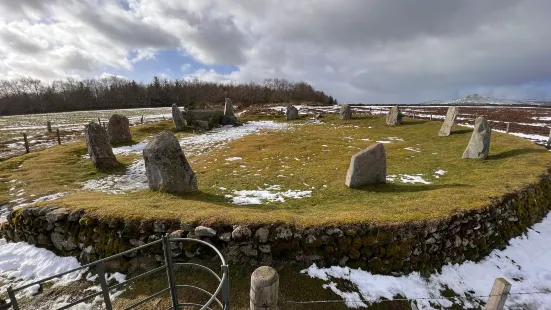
(49, 126)
(498, 295)
(141, 120)
(507, 129)
(99, 121)
(264, 288)
(549, 139)
(26, 143)
(58, 137)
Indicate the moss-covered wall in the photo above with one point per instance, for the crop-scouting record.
(404, 247)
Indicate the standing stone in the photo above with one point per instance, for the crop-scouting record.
(394, 117)
(345, 112)
(119, 129)
(292, 113)
(99, 148)
(166, 166)
(228, 108)
(367, 167)
(448, 122)
(179, 121)
(479, 145)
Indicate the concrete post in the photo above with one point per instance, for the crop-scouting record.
(264, 289)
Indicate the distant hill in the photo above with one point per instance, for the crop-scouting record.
(476, 99)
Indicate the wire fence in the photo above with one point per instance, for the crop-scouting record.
(365, 301)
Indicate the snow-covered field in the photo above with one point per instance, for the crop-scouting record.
(34, 125)
(524, 263)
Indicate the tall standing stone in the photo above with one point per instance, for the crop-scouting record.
(119, 129)
(99, 148)
(479, 145)
(345, 112)
(292, 113)
(166, 166)
(178, 119)
(228, 108)
(367, 167)
(394, 117)
(446, 128)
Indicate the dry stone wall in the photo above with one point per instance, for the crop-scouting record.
(420, 246)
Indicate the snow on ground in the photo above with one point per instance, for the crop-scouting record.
(538, 139)
(541, 118)
(524, 263)
(233, 158)
(134, 178)
(271, 193)
(21, 202)
(126, 150)
(413, 149)
(383, 141)
(438, 173)
(23, 263)
(407, 178)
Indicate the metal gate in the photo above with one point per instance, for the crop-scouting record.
(223, 288)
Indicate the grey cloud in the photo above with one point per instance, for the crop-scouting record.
(20, 42)
(124, 29)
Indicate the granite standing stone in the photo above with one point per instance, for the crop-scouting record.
(228, 108)
(345, 112)
(448, 122)
(99, 148)
(394, 117)
(119, 129)
(479, 145)
(292, 113)
(166, 166)
(178, 119)
(367, 167)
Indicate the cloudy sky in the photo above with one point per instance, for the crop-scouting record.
(367, 51)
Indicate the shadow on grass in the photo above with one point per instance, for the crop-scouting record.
(460, 131)
(515, 152)
(413, 122)
(406, 188)
(205, 197)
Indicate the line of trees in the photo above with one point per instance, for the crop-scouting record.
(28, 95)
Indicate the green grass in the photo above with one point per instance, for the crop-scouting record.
(468, 184)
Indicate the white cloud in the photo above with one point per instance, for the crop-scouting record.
(358, 50)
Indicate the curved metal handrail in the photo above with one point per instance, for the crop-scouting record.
(202, 242)
(225, 274)
(165, 240)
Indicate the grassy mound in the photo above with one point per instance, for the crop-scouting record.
(313, 157)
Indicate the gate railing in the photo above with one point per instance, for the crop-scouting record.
(222, 289)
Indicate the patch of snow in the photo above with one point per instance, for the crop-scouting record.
(383, 141)
(407, 178)
(125, 150)
(133, 179)
(23, 263)
(269, 194)
(413, 149)
(233, 158)
(395, 139)
(524, 263)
